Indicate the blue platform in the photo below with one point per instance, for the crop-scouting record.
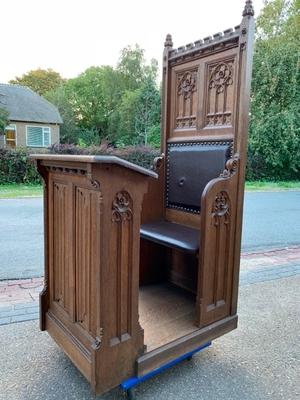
(131, 382)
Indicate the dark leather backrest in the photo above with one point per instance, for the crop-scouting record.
(190, 166)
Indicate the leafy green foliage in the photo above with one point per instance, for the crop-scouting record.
(120, 105)
(137, 118)
(132, 67)
(92, 99)
(274, 142)
(3, 120)
(69, 131)
(16, 167)
(40, 80)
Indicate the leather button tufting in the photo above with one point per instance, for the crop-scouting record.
(181, 181)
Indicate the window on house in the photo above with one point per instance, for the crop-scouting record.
(38, 136)
(10, 136)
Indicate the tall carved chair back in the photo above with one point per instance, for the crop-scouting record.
(205, 106)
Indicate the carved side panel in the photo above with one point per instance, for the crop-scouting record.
(219, 102)
(87, 243)
(61, 247)
(122, 234)
(215, 278)
(186, 99)
(221, 219)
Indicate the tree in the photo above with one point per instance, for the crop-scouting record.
(93, 96)
(147, 114)
(274, 142)
(121, 126)
(133, 68)
(40, 80)
(69, 131)
(136, 120)
(3, 120)
(120, 105)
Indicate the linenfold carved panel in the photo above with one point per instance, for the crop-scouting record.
(186, 99)
(220, 93)
(61, 266)
(87, 211)
(122, 234)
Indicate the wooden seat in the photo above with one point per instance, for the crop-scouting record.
(172, 235)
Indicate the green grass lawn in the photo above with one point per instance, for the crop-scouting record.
(272, 186)
(12, 191)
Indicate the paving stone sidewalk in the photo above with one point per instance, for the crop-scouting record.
(19, 298)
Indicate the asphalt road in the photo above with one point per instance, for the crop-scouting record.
(21, 238)
(271, 219)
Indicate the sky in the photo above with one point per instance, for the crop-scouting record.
(71, 36)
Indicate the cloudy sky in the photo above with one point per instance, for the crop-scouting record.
(70, 36)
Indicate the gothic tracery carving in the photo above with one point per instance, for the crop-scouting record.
(187, 84)
(220, 77)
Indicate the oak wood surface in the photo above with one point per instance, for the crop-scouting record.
(166, 313)
(113, 160)
(90, 301)
(121, 308)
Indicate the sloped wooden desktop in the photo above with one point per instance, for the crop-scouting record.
(121, 306)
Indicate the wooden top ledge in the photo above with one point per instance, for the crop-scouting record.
(93, 159)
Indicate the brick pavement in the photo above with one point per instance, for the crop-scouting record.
(19, 298)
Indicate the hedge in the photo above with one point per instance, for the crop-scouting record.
(16, 166)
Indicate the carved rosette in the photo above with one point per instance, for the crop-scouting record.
(187, 84)
(122, 207)
(220, 208)
(220, 77)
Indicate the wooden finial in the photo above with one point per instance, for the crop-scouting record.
(168, 42)
(248, 10)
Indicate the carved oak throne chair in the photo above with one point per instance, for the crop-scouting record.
(118, 316)
(192, 216)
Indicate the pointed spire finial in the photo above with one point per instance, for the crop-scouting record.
(168, 42)
(248, 10)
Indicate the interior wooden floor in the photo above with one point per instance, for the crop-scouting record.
(166, 313)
